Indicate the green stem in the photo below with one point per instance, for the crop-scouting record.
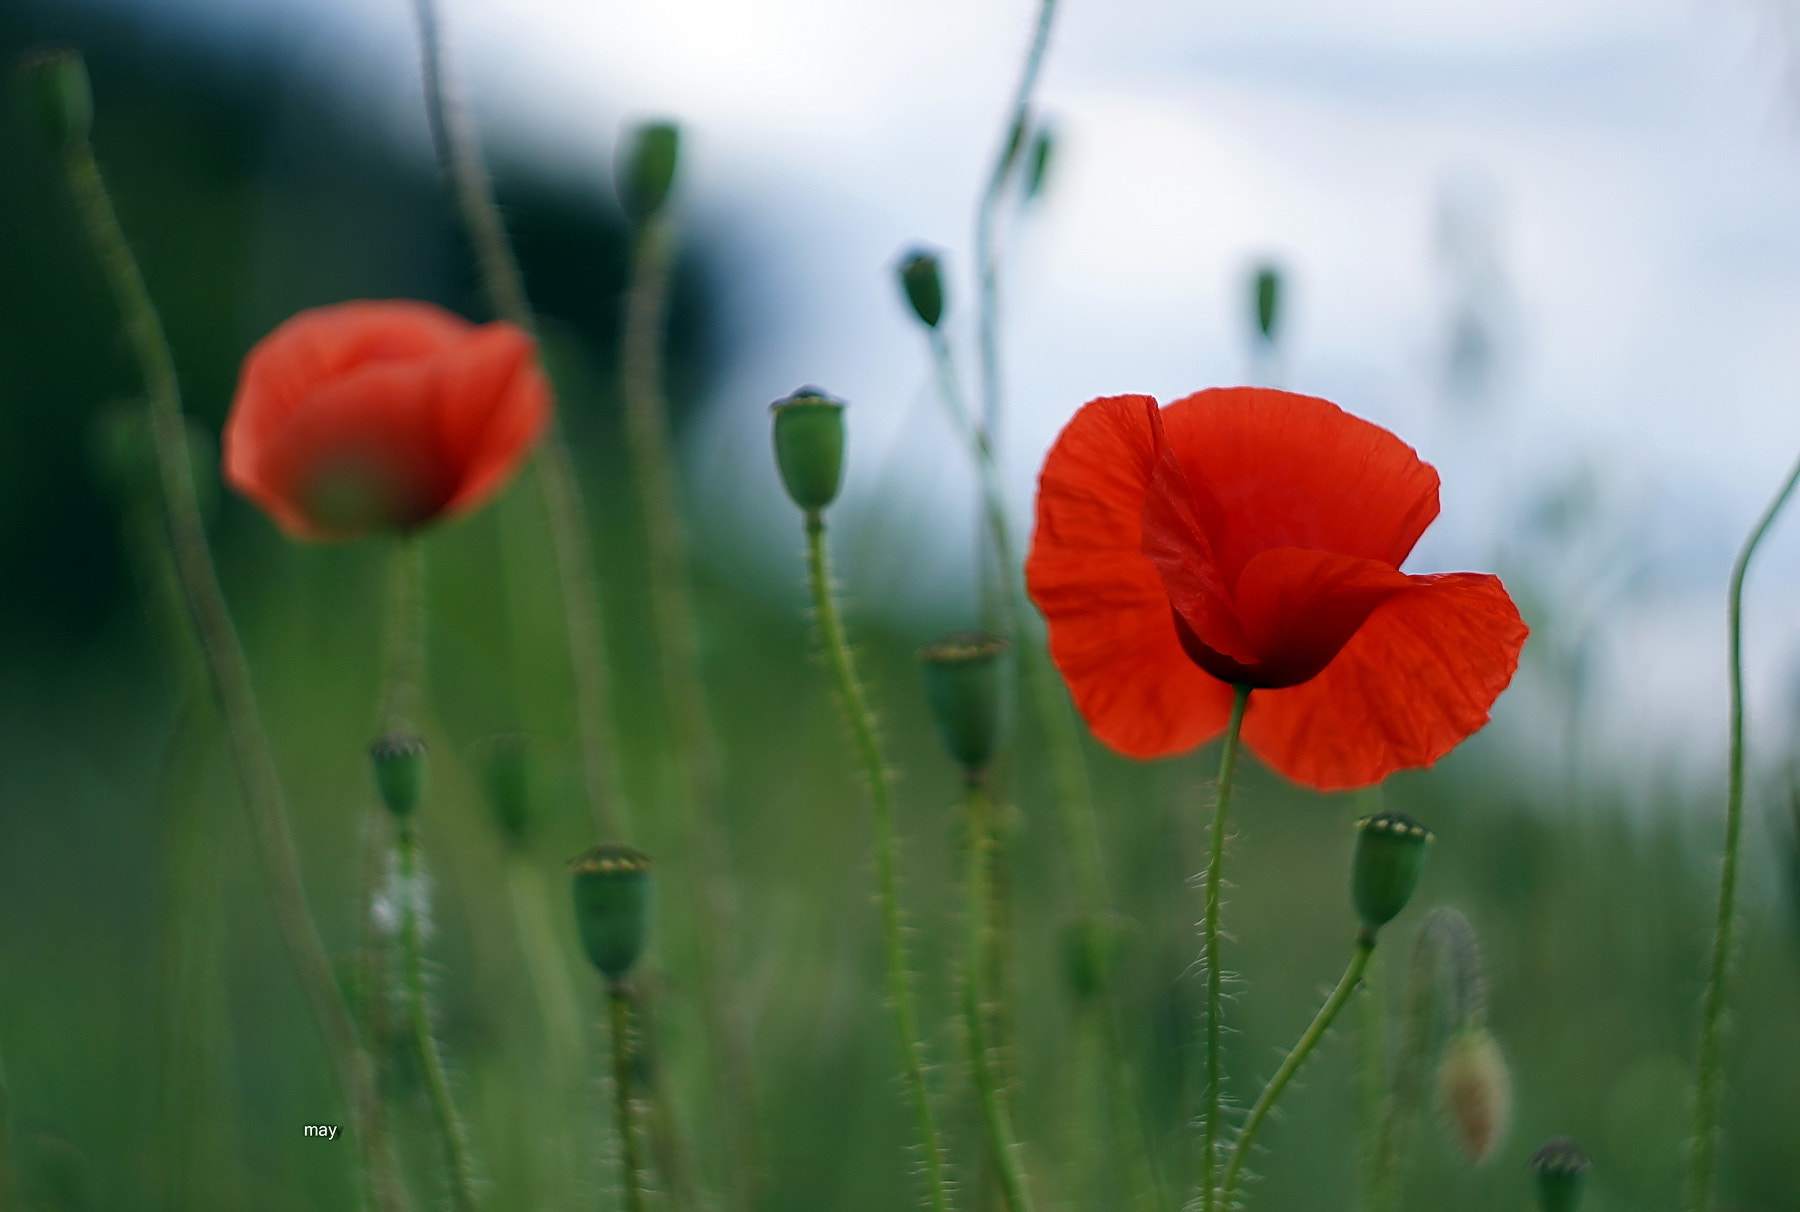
(1372, 1080)
(543, 960)
(229, 672)
(1709, 1080)
(1240, 1149)
(881, 799)
(996, 1121)
(403, 682)
(9, 1174)
(459, 152)
(1128, 1122)
(624, 1112)
(418, 1019)
(1213, 1094)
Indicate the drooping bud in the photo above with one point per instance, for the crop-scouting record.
(506, 777)
(809, 446)
(646, 169)
(922, 281)
(1265, 293)
(612, 906)
(1390, 855)
(1559, 1169)
(399, 762)
(962, 688)
(57, 80)
(1037, 161)
(1475, 1092)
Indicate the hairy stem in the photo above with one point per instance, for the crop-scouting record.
(881, 798)
(229, 673)
(1213, 1094)
(631, 1174)
(1371, 1063)
(1240, 1149)
(1709, 1077)
(403, 679)
(996, 1122)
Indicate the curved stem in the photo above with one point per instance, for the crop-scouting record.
(1709, 1076)
(881, 799)
(459, 152)
(1240, 1149)
(624, 1110)
(229, 673)
(1213, 1095)
(418, 1019)
(403, 681)
(996, 1122)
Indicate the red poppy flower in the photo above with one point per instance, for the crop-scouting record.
(369, 416)
(1254, 537)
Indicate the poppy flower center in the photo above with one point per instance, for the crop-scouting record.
(354, 492)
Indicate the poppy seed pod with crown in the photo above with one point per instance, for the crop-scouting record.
(399, 762)
(1390, 855)
(809, 446)
(922, 281)
(646, 169)
(57, 79)
(1558, 1170)
(612, 906)
(962, 688)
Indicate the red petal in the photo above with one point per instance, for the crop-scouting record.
(1417, 678)
(1301, 607)
(1112, 632)
(493, 407)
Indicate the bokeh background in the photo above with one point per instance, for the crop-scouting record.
(1554, 246)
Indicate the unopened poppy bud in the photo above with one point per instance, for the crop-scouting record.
(125, 457)
(506, 774)
(1037, 161)
(646, 169)
(1390, 854)
(1091, 949)
(922, 281)
(399, 762)
(962, 688)
(1559, 1169)
(1475, 1092)
(809, 447)
(612, 906)
(58, 82)
(1265, 291)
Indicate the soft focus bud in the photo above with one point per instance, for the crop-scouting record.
(399, 762)
(1558, 1169)
(962, 688)
(922, 280)
(506, 777)
(612, 906)
(1265, 291)
(1091, 949)
(1390, 854)
(1475, 1092)
(809, 447)
(1037, 161)
(124, 456)
(646, 169)
(57, 80)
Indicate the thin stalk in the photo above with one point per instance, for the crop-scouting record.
(1709, 1079)
(403, 680)
(543, 961)
(881, 799)
(450, 1129)
(459, 152)
(229, 673)
(1149, 1189)
(996, 1121)
(630, 1168)
(696, 766)
(9, 1173)
(1213, 1093)
(1240, 1149)
(1371, 1061)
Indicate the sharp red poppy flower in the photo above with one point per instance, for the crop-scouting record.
(381, 415)
(1244, 536)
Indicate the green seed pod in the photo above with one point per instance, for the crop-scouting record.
(1559, 1169)
(922, 281)
(1390, 855)
(1037, 161)
(809, 446)
(962, 688)
(646, 169)
(1265, 289)
(57, 80)
(506, 777)
(1475, 1092)
(399, 762)
(612, 906)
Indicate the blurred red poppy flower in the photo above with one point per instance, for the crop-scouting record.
(1244, 536)
(381, 415)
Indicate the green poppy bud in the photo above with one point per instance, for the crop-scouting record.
(809, 447)
(1559, 1169)
(1265, 291)
(962, 688)
(1091, 950)
(1475, 1092)
(399, 762)
(506, 777)
(124, 457)
(922, 281)
(646, 169)
(1390, 854)
(58, 83)
(1037, 161)
(612, 906)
